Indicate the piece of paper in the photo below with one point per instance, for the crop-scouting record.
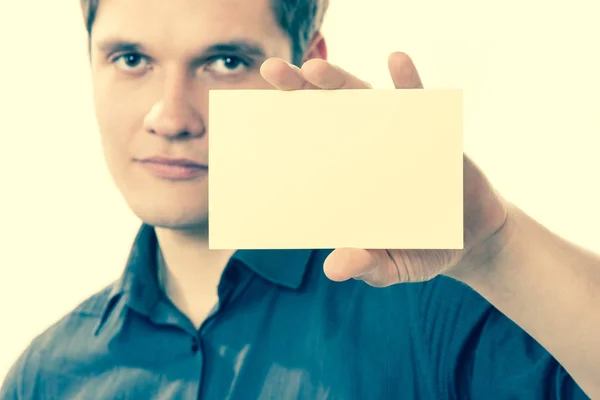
(317, 169)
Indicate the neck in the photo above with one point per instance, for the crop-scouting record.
(189, 272)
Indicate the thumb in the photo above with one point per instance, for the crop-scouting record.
(344, 264)
(403, 71)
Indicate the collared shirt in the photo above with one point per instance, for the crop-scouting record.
(282, 330)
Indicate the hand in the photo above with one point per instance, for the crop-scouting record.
(485, 212)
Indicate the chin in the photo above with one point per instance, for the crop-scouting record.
(174, 217)
(178, 225)
(180, 206)
(186, 223)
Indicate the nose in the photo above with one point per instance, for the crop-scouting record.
(174, 115)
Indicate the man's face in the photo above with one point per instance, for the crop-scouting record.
(153, 63)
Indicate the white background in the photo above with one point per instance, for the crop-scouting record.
(530, 71)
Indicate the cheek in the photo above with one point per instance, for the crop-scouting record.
(253, 81)
(120, 117)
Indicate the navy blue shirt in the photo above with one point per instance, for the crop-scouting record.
(282, 330)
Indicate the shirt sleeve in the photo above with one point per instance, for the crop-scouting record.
(479, 353)
(19, 383)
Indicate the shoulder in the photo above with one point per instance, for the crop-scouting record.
(81, 320)
(23, 378)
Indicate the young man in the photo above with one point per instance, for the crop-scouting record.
(184, 322)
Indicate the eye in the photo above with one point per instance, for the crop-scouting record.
(227, 65)
(131, 62)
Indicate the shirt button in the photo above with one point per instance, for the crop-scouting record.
(195, 346)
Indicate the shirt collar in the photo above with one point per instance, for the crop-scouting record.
(138, 285)
(281, 267)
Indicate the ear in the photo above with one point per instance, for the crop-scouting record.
(316, 49)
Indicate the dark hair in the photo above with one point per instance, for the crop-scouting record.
(300, 19)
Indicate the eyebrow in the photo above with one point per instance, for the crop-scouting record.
(118, 46)
(234, 46)
(237, 46)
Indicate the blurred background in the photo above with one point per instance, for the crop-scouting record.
(530, 72)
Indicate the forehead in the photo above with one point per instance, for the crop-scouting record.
(179, 24)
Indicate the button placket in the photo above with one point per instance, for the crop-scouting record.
(195, 345)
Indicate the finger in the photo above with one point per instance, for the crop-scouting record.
(283, 75)
(344, 264)
(403, 72)
(325, 75)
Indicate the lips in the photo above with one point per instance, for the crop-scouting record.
(173, 169)
(181, 162)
